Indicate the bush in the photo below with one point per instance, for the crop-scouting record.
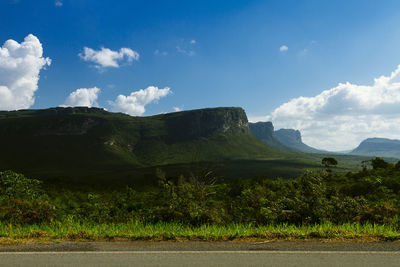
(20, 212)
(17, 186)
(22, 201)
(369, 196)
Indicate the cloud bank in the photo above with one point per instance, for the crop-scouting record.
(83, 97)
(341, 117)
(106, 57)
(20, 65)
(134, 104)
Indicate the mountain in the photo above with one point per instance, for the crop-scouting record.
(381, 147)
(292, 138)
(264, 131)
(283, 139)
(82, 143)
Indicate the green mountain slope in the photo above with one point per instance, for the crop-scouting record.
(381, 147)
(91, 142)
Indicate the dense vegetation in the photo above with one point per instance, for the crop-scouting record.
(368, 196)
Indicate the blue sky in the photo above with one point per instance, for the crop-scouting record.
(218, 53)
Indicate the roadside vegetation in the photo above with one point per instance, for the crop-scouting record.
(323, 204)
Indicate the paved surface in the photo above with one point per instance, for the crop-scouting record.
(202, 254)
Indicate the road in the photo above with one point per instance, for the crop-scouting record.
(202, 254)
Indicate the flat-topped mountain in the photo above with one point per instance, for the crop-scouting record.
(380, 147)
(292, 138)
(283, 139)
(264, 131)
(77, 141)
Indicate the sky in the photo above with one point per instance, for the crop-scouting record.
(327, 68)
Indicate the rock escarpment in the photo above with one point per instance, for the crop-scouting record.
(292, 138)
(283, 139)
(264, 131)
(192, 124)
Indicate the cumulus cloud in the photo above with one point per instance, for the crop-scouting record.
(341, 117)
(58, 3)
(176, 109)
(283, 48)
(83, 97)
(134, 104)
(106, 57)
(20, 65)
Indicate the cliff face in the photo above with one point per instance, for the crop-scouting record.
(205, 122)
(264, 131)
(283, 139)
(289, 136)
(292, 138)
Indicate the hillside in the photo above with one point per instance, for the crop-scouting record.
(82, 143)
(381, 147)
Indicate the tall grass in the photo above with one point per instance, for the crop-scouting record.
(174, 231)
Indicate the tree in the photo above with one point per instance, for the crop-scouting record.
(328, 162)
(379, 163)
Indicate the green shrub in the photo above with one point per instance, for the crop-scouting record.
(22, 201)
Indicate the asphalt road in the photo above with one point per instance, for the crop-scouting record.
(202, 254)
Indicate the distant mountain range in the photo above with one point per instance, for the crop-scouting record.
(283, 139)
(290, 140)
(381, 147)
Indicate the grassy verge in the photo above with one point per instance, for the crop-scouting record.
(172, 231)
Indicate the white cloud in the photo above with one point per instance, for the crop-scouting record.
(20, 65)
(185, 51)
(341, 117)
(106, 57)
(58, 3)
(134, 104)
(283, 48)
(176, 109)
(193, 42)
(83, 97)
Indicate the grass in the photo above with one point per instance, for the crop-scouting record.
(61, 231)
